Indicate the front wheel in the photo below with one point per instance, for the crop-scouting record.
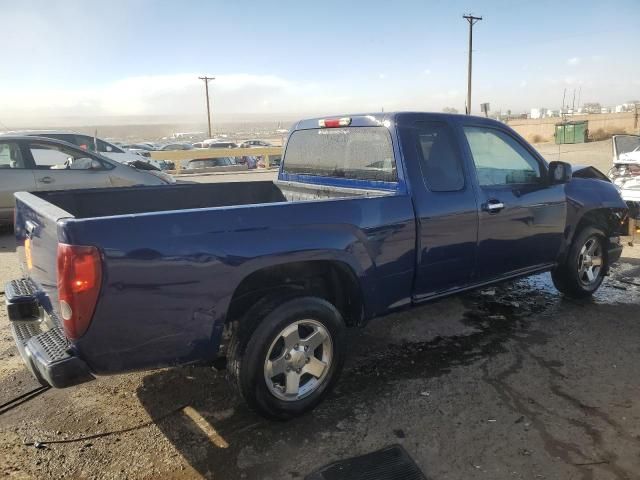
(586, 265)
(291, 360)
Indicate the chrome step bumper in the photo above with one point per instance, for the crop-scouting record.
(46, 351)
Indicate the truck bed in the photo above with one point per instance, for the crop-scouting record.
(174, 256)
(106, 202)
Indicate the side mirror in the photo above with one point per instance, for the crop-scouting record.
(95, 164)
(559, 172)
(109, 149)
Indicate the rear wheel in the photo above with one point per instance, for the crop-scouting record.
(292, 358)
(585, 266)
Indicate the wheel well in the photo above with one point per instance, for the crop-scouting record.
(334, 281)
(602, 218)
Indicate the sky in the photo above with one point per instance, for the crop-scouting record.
(131, 58)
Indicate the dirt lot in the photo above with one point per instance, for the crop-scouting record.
(512, 382)
(596, 154)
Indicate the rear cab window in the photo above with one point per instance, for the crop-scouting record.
(354, 153)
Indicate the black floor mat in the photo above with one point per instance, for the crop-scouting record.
(390, 463)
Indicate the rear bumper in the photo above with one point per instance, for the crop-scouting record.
(45, 351)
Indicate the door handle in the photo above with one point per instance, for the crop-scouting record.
(493, 206)
(46, 180)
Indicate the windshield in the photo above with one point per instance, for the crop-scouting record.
(142, 165)
(626, 144)
(362, 153)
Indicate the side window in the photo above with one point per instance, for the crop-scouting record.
(500, 159)
(11, 156)
(85, 142)
(54, 157)
(440, 162)
(107, 147)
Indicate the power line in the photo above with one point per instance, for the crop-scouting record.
(472, 21)
(206, 90)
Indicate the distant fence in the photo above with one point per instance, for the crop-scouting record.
(180, 156)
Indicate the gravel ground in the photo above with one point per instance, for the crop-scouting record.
(511, 382)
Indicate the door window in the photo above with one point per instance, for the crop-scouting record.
(11, 156)
(501, 160)
(56, 157)
(439, 160)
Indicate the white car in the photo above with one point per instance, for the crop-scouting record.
(625, 173)
(32, 163)
(93, 144)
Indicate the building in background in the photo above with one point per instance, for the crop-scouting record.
(537, 112)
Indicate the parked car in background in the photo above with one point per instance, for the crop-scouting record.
(212, 162)
(255, 143)
(107, 149)
(40, 163)
(222, 145)
(175, 146)
(141, 149)
(144, 146)
(215, 143)
(86, 142)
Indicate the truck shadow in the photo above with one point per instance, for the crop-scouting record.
(235, 441)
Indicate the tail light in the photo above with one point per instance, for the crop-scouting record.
(79, 280)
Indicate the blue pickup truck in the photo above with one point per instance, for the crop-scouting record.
(369, 214)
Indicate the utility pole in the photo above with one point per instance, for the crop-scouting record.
(206, 91)
(579, 95)
(472, 21)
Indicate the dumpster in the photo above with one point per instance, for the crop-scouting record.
(572, 132)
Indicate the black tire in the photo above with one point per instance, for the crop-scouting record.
(567, 278)
(251, 345)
